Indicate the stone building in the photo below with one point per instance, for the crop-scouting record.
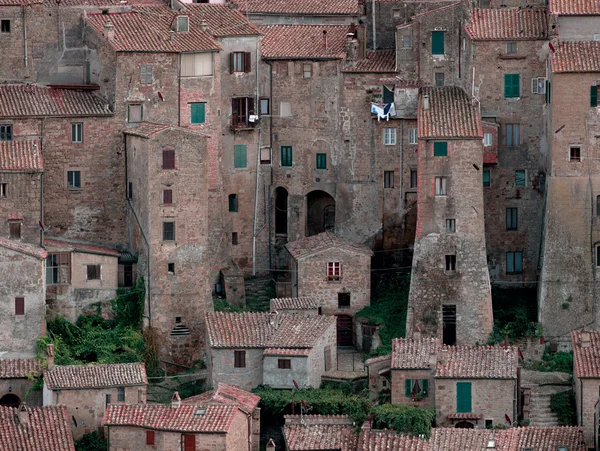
(574, 21)
(450, 295)
(87, 390)
(184, 427)
(17, 378)
(380, 380)
(23, 290)
(250, 349)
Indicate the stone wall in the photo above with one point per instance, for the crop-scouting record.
(398, 387)
(326, 344)
(276, 377)
(23, 196)
(586, 397)
(221, 368)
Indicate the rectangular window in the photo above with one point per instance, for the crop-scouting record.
(413, 178)
(3, 190)
(333, 272)
(440, 149)
(135, 113)
(168, 159)
(233, 203)
(93, 272)
(439, 79)
(168, 231)
(450, 225)
(511, 47)
(149, 437)
(307, 70)
(284, 364)
(416, 388)
(575, 153)
(594, 96)
(512, 85)
(388, 95)
(74, 179)
(5, 132)
(463, 397)
(487, 178)
(512, 219)
(4, 26)
(265, 155)
(321, 161)
(412, 136)
(239, 359)
(15, 230)
(389, 136)
(240, 156)
(167, 197)
(19, 306)
(388, 179)
(488, 139)
(285, 109)
(286, 155)
(57, 269)
(440, 186)
(489, 424)
(239, 62)
(437, 42)
(183, 24)
(189, 442)
(196, 64)
(451, 263)
(484, 4)
(405, 41)
(396, 13)
(146, 76)
(234, 238)
(520, 178)
(538, 85)
(343, 300)
(107, 398)
(514, 262)
(198, 112)
(171, 269)
(265, 109)
(120, 394)
(512, 135)
(77, 132)
(241, 110)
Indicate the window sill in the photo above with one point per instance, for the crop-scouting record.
(334, 281)
(507, 56)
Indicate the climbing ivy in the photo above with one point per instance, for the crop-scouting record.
(406, 419)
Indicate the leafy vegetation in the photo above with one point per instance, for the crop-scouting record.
(91, 442)
(515, 314)
(563, 405)
(558, 361)
(406, 419)
(221, 305)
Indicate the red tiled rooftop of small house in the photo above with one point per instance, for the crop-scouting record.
(489, 362)
(378, 359)
(19, 368)
(227, 394)
(80, 247)
(21, 100)
(300, 7)
(300, 303)
(309, 245)
(15, 216)
(586, 353)
(575, 7)
(149, 129)
(47, 428)
(399, 82)
(24, 248)
(303, 41)
(318, 419)
(451, 114)
(320, 437)
(549, 438)
(508, 24)
(414, 354)
(380, 61)
(215, 418)
(21, 156)
(378, 440)
(95, 376)
(222, 20)
(576, 56)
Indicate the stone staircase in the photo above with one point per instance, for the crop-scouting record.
(259, 291)
(540, 413)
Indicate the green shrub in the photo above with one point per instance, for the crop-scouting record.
(91, 442)
(558, 361)
(563, 405)
(515, 314)
(405, 419)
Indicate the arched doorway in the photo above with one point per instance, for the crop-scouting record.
(281, 211)
(10, 400)
(464, 425)
(344, 330)
(320, 212)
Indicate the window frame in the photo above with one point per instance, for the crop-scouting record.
(77, 132)
(3, 190)
(305, 71)
(321, 161)
(438, 47)
(240, 156)
(441, 186)
(260, 106)
(512, 218)
(284, 364)
(233, 203)
(409, 388)
(334, 272)
(197, 62)
(512, 47)
(389, 136)
(168, 235)
(437, 79)
(241, 110)
(512, 86)
(168, 159)
(146, 74)
(93, 272)
(183, 23)
(486, 183)
(515, 132)
(121, 394)
(450, 260)
(15, 229)
(19, 306)
(287, 156)
(440, 148)
(593, 96)
(3, 27)
(512, 255)
(129, 113)
(76, 180)
(488, 139)
(197, 113)
(234, 238)
(388, 179)
(518, 173)
(415, 182)
(575, 153)
(451, 225)
(168, 198)
(6, 133)
(344, 300)
(239, 359)
(58, 260)
(406, 41)
(412, 136)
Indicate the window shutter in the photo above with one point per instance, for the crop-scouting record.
(425, 388)
(440, 149)
(149, 437)
(19, 306)
(507, 85)
(250, 106)
(235, 110)
(167, 197)
(240, 156)
(198, 113)
(408, 388)
(168, 159)
(189, 443)
(437, 42)
(231, 62)
(463, 397)
(247, 62)
(593, 96)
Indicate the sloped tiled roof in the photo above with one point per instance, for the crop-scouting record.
(508, 24)
(450, 115)
(48, 428)
(21, 156)
(300, 7)
(80, 247)
(299, 437)
(303, 41)
(414, 354)
(301, 303)
(226, 394)
(73, 377)
(489, 362)
(149, 129)
(222, 20)
(287, 351)
(576, 56)
(217, 418)
(380, 61)
(586, 353)
(19, 100)
(24, 248)
(326, 240)
(19, 368)
(549, 438)
(575, 7)
(382, 358)
(374, 440)
(254, 330)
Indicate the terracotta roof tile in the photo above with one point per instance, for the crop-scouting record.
(149, 129)
(381, 61)
(576, 56)
(303, 41)
(300, 437)
(19, 368)
(318, 419)
(302, 7)
(22, 156)
(551, 437)
(287, 351)
(47, 428)
(309, 245)
(586, 353)
(185, 418)
(301, 303)
(450, 115)
(80, 247)
(221, 19)
(227, 394)
(24, 248)
(508, 24)
(490, 362)
(257, 330)
(15, 216)
(95, 376)
(32, 100)
(374, 440)
(575, 7)
(413, 354)
(381, 358)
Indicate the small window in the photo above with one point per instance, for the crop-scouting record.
(239, 359)
(74, 179)
(512, 218)
(285, 109)
(594, 96)
(333, 272)
(77, 132)
(520, 179)
(265, 155)
(265, 108)
(412, 136)
(15, 230)
(450, 263)
(388, 95)
(168, 157)
(171, 268)
(450, 225)
(168, 231)
(3, 189)
(575, 153)
(437, 42)
(167, 197)
(5, 132)
(240, 62)
(196, 64)
(440, 186)
(488, 139)
(484, 4)
(120, 394)
(562, 448)
(107, 398)
(487, 178)
(19, 306)
(439, 79)
(130, 190)
(440, 149)
(198, 112)
(597, 205)
(321, 161)
(406, 41)
(343, 300)
(93, 272)
(514, 262)
(240, 156)
(307, 70)
(489, 424)
(149, 437)
(413, 178)
(388, 179)
(512, 85)
(511, 47)
(396, 13)
(512, 135)
(389, 136)
(538, 85)
(286, 155)
(57, 269)
(284, 364)
(178, 320)
(233, 203)
(4, 26)
(234, 238)
(135, 113)
(183, 24)
(146, 76)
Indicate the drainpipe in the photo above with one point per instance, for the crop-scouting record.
(257, 110)
(42, 185)
(24, 35)
(179, 91)
(271, 146)
(373, 19)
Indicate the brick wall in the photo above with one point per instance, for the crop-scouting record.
(23, 196)
(586, 397)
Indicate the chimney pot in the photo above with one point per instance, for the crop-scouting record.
(443, 356)
(49, 356)
(22, 415)
(109, 30)
(203, 25)
(426, 102)
(175, 401)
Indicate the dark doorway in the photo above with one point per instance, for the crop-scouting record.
(449, 316)
(281, 213)
(10, 400)
(464, 425)
(344, 330)
(320, 212)
(367, 337)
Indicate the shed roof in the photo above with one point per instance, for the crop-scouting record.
(299, 437)
(73, 377)
(226, 394)
(380, 61)
(575, 7)
(83, 248)
(299, 303)
(414, 353)
(481, 362)
(576, 56)
(21, 156)
(300, 7)
(24, 248)
(326, 240)
(586, 353)
(19, 368)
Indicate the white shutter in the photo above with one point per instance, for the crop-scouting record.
(187, 65)
(203, 64)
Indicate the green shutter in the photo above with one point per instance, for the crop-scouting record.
(198, 115)
(463, 397)
(240, 156)
(593, 96)
(437, 42)
(440, 149)
(286, 155)
(408, 388)
(486, 178)
(425, 388)
(321, 161)
(512, 85)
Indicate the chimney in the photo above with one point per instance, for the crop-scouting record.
(586, 341)
(271, 445)
(443, 356)
(23, 415)
(426, 102)
(351, 47)
(49, 356)
(171, 35)
(275, 320)
(361, 36)
(175, 401)
(109, 31)
(324, 40)
(203, 25)
(433, 358)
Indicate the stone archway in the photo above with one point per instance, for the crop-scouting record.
(10, 400)
(320, 212)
